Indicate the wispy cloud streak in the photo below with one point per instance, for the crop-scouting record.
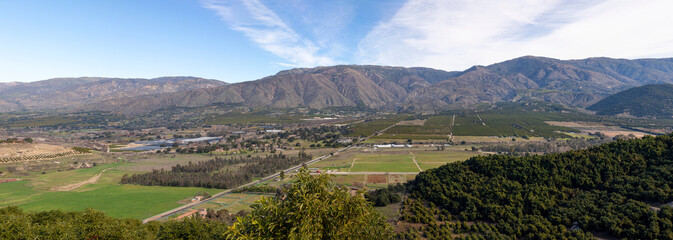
(456, 34)
(266, 29)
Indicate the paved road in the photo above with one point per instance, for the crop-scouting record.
(273, 176)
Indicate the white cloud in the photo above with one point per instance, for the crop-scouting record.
(267, 30)
(457, 34)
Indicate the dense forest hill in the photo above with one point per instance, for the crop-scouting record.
(68, 93)
(577, 83)
(618, 190)
(652, 100)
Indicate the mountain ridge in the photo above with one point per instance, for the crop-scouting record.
(71, 93)
(578, 83)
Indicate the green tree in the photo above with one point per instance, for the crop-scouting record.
(312, 208)
(282, 174)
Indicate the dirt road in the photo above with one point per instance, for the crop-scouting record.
(74, 186)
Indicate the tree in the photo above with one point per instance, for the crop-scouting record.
(282, 174)
(313, 208)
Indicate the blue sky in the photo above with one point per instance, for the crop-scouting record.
(241, 40)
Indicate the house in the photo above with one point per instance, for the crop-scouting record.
(203, 213)
(197, 198)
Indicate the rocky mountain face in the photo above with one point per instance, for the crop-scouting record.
(579, 83)
(371, 86)
(71, 93)
(652, 100)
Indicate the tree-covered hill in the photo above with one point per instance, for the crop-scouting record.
(653, 100)
(620, 189)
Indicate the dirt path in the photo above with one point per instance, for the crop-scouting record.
(352, 164)
(453, 122)
(414, 158)
(74, 186)
(482, 121)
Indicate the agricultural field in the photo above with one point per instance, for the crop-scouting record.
(393, 160)
(594, 127)
(37, 122)
(368, 128)
(252, 117)
(40, 193)
(372, 181)
(439, 128)
(235, 202)
(33, 151)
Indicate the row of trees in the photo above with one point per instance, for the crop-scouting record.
(551, 146)
(14, 140)
(220, 173)
(601, 189)
(384, 196)
(314, 134)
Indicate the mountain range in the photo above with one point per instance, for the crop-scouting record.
(73, 93)
(578, 83)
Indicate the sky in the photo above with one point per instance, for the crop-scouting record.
(243, 40)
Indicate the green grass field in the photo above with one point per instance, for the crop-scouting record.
(442, 156)
(133, 201)
(382, 158)
(128, 201)
(235, 202)
(426, 166)
(384, 167)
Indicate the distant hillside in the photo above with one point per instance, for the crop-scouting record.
(67, 93)
(653, 100)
